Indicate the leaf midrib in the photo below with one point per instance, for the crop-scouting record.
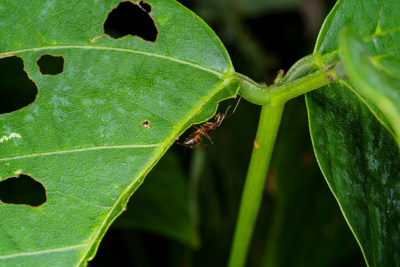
(45, 251)
(50, 153)
(117, 49)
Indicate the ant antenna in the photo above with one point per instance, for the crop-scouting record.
(237, 104)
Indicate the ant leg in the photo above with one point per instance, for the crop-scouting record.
(197, 130)
(208, 137)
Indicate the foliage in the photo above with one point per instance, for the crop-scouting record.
(84, 139)
(354, 127)
(90, 131)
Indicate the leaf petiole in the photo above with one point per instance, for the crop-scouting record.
(262, 94)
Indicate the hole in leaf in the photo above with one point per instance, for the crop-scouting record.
(22, 190)
(16, 89)
(50, 65)
(146, 124)
(130, 18)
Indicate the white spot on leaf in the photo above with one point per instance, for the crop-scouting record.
(11, 136)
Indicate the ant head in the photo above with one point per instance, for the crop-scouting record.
(220, 117)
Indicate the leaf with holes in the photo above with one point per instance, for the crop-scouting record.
(88, 109)
(353, 124)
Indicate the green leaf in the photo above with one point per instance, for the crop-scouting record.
(83, 137)
(375, 78)
(353, 141)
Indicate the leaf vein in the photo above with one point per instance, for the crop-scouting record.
(78, 150)
(33, 253)
(381, 33)
(26, 21)
(79, 22)
(180, 61)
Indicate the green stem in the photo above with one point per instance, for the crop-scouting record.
(257, 93)
(256, 175)
(261, 94)
(282, 93)
(298, 81)
(197, 164)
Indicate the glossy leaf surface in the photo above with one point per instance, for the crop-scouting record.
(353, 140)
(376, 78)
(96, 129)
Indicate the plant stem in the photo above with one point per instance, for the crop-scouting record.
(197, 164)
(261, 94)
(254, 187)
(282, 93)
(256, 93)
(298, 81)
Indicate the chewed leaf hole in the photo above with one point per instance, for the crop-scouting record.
(146, 124)
(16, 89)
(130, 18)
(50, 65)
(22, 190)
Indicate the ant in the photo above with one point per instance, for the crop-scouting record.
(194, 139)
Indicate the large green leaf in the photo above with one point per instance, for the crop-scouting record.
(83, 137)
(353, 140)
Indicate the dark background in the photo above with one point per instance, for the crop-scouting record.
(300, 223)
